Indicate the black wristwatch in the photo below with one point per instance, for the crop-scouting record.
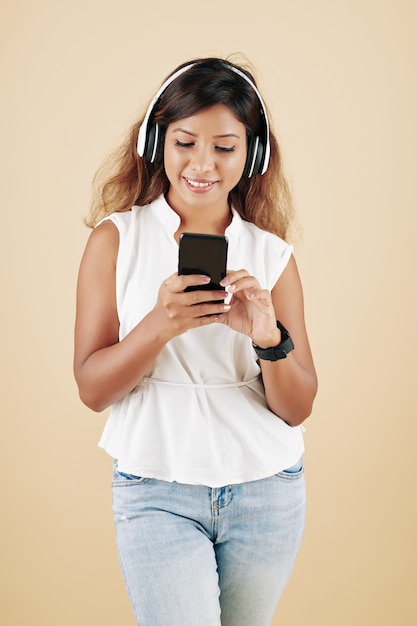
(277, 352)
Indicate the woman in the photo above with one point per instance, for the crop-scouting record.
(208, 389)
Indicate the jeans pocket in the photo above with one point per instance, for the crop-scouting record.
(293, 472)
(121, 479)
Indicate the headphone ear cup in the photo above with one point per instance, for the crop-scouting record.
(160, 143)
(150, 142)
(154, 143)
(249, 151)
(259, 159)
(254, 158)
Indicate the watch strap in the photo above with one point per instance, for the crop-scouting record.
(279, 351)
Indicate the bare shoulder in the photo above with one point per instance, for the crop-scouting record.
(103, 242)
(96, 277)
(96, 316)
(288, 299)
(289, 281)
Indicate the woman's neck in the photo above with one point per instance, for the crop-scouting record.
(209, 221)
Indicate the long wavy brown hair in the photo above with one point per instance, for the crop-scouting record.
(126, 179)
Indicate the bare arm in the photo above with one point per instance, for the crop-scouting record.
(291, 383)
(105, 368)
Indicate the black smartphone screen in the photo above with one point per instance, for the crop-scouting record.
(203, 254)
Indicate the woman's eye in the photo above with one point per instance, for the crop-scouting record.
(183, 144)
(223, 149)
(190, 144)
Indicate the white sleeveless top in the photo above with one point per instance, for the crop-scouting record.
(200, 415)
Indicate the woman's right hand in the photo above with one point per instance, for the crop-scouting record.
(178, 310)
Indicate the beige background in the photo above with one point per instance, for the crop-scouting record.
(340, 80)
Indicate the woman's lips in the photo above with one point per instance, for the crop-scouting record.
(199, 185)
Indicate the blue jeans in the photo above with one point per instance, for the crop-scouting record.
(200, 556)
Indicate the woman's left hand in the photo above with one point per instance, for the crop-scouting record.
(252, 312)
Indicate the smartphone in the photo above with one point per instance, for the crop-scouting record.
(203, 254)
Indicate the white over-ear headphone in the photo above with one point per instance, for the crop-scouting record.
(150, 135)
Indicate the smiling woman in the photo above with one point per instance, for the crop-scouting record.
(204, 157)
(206, 395)
(124, 180)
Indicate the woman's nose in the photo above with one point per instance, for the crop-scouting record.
(202, 160)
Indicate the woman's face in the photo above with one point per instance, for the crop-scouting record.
(204, 157)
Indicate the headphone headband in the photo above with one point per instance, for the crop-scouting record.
(261, 150)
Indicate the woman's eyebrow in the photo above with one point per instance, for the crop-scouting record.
(182, 130)
(187, 132)
(226, 135)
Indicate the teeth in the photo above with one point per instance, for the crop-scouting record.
(193, 183)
